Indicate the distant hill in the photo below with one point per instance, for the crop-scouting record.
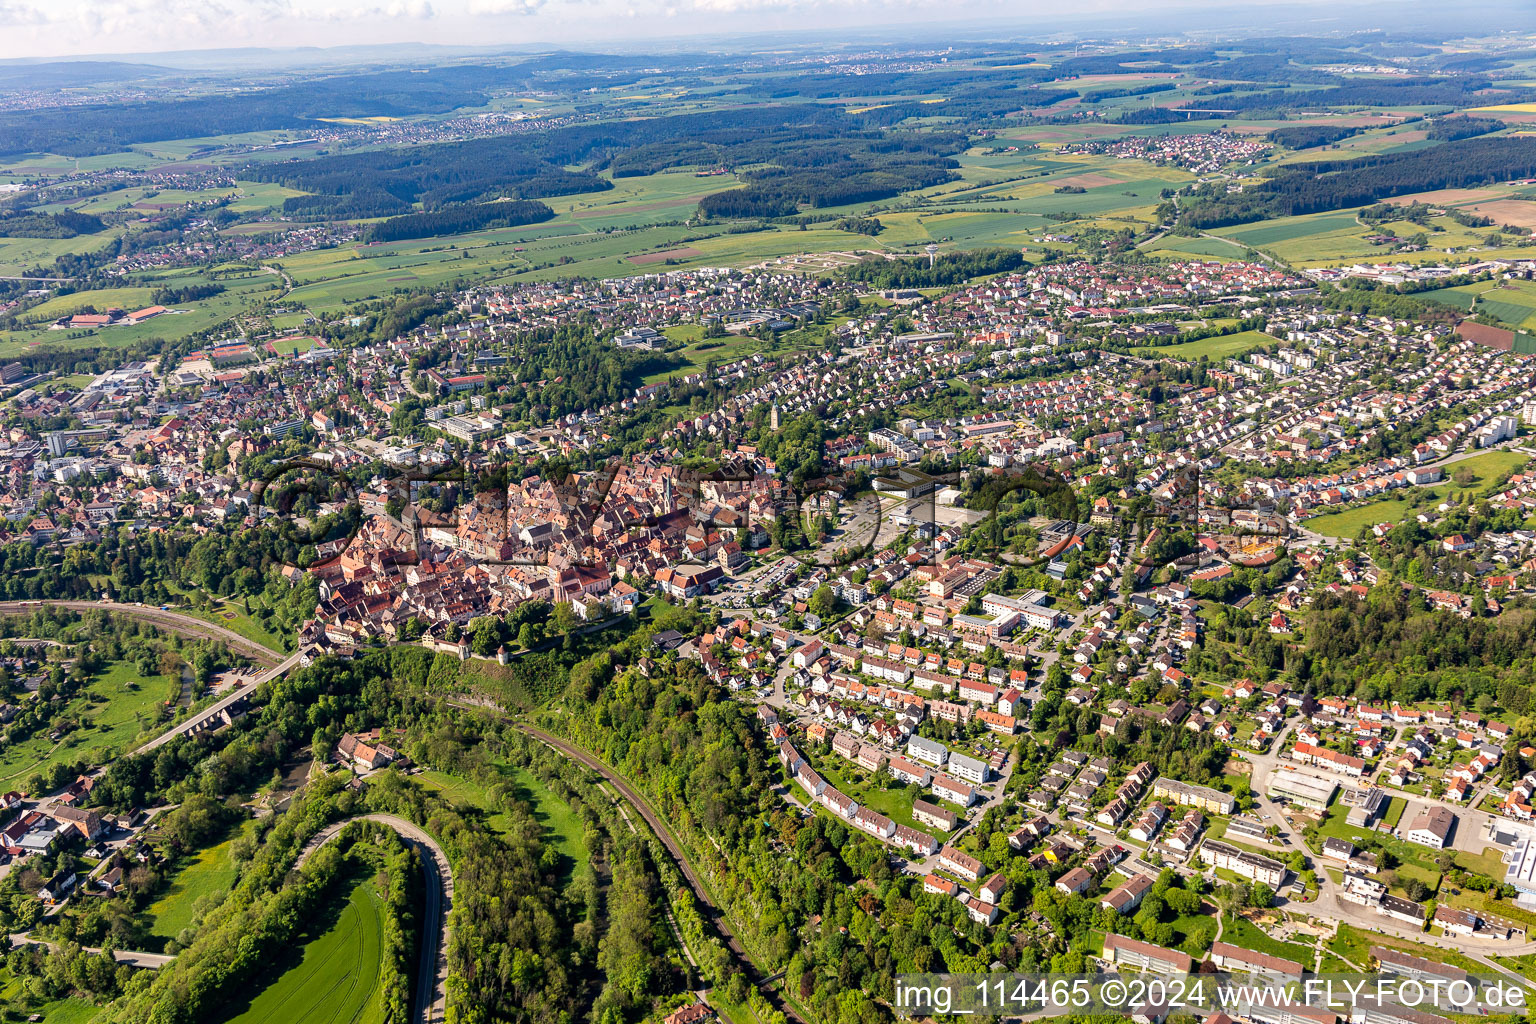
(76, 72)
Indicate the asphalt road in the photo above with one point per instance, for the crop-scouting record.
(243, 690)
(186, 625)
(131, 957)
(755, 974)
(430, 1002)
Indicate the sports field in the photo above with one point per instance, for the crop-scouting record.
(335, 978)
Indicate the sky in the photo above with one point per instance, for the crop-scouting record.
(47, 28)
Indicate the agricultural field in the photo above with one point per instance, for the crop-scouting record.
(1181, 247)
(333, 978)
(18, 255)
(113, 709)
(1328, 239)
(241, 288)
(98, 299)
(1513, 302)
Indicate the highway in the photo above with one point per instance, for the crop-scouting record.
(755, 974)
(430, 1002)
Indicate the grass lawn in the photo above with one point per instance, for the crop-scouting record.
(1218, 347)
(113, 709)
(1395, 811)
(334, 978)
(1525, 965)
(1488, 469)
(1407, 871)
(1355, 944)
(1490, 862)
(1195, 932)
(1414, 861)
(895, 802)
(701, 350)
(1242, 932)
(466, 791)
(233, 616)
(56, 1011)
(562, 828)
(211, 872)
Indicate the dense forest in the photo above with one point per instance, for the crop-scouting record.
(950, 269)
(88, 130)
(386, 181)
(1449, 129)
(64, 224)
(1400, 92)
(1306, 136)
(1337, 184)
(801, 154)
(534, 940)
(451, 220)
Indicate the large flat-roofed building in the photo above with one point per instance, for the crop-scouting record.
(1369, 810)
(1371, 1012)
(1520, 866)
(1301, 788)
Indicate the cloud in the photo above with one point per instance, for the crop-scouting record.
(22, 14)
(503, 8)
(400, 10)
(775, 6)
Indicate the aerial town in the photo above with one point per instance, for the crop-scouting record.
(749, 535)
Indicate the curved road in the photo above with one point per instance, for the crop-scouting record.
(430, 1002)
(187, 625)
(756, 975)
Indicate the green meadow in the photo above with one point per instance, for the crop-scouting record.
(335, 977)
(1219, 347)
(211, 873)
(1488, 469)
(112, 710)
